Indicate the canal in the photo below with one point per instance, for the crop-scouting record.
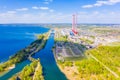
(50, 68)
(17, 69)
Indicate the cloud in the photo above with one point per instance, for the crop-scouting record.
(48, 17)
(87, 6)
(15, 11)
(41, 8)
(99, 17)
(22, 9)
(51, 10)
(101, 3)
(35, 7)
(44, 8)
(47, 1)
(42, 17)
(11, 12)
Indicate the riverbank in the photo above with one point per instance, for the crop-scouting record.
(24, 53)
(32, 71)
(70, 71)
(67, 68)
(7, 70)
(47, 60)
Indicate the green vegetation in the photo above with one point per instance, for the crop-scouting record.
(74, 58)
(109, 55)
(40, 36)
(38, 73)
(87, 40)
(34, 70)
(25, 53)
(65, 63)
(61, 39)
(93, 37)
(114, 44)
(30, 72)
(89, 68)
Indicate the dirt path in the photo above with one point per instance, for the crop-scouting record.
(36, 71)
(116, 75)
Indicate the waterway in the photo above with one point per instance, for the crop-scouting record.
(14, 38)
(50, 68)
(17, 69)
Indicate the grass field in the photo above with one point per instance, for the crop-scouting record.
(108, 55)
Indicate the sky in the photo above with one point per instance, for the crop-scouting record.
(59, 11)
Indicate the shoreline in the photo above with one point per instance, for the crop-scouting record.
(30, 58)
(7, 70)
(23, 54)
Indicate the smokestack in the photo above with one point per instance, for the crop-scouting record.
(74, 24)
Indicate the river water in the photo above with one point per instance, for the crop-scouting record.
(50, 68)
(14, 38)
(17, 69)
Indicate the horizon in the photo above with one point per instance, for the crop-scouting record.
(60, 23)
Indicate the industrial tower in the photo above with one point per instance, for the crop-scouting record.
(74, 24)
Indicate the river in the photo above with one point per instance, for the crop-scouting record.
(50, 68)
(14, 37)
(17, 69)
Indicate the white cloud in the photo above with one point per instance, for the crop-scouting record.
(44, 8)
(99, 17)
(41, 8)
(87, 6)
(11, 12)
(101, 3)
(51, 10)
(22, 9)
(14, 11)
(35, 7)
(45, 17)
(47, 1)
(96, 12)
(42, 17)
